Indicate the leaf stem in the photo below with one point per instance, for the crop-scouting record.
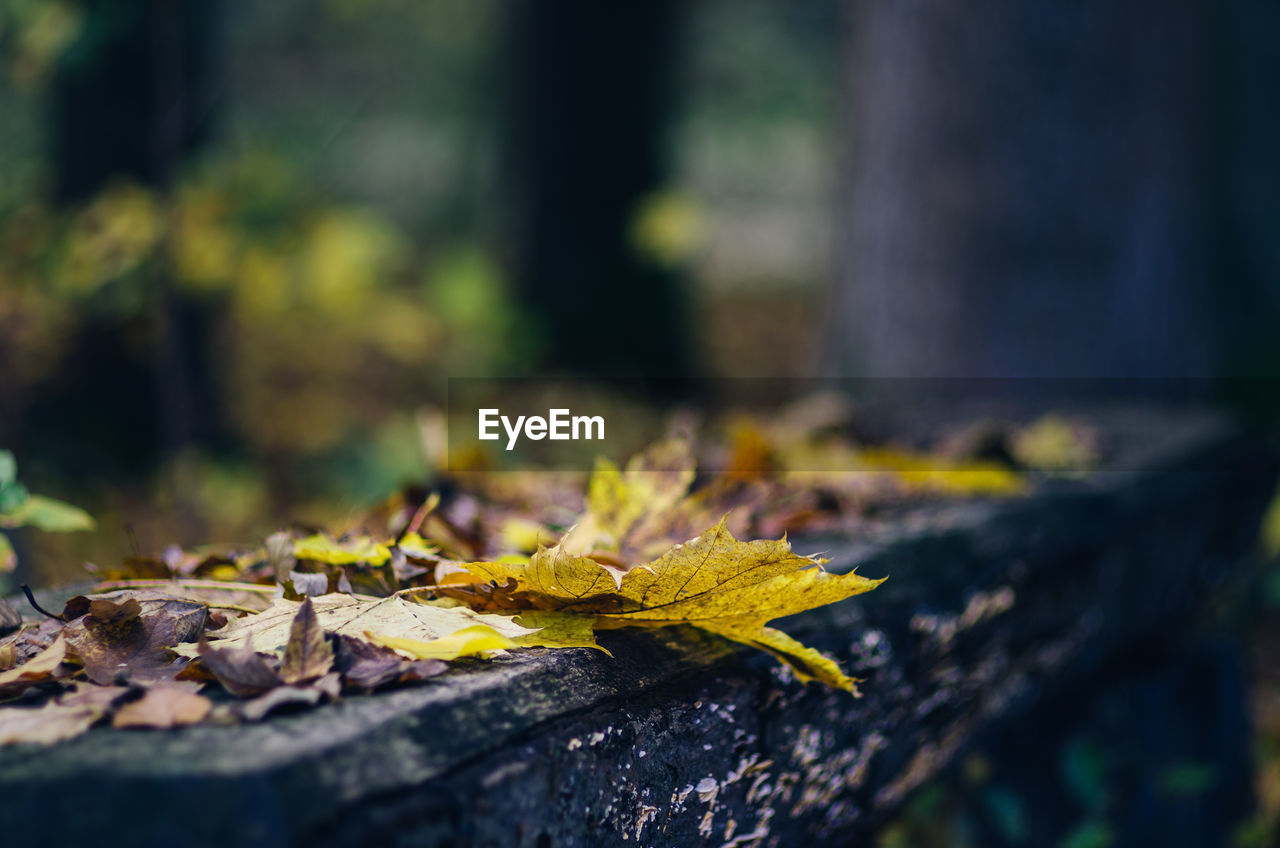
(31, 599)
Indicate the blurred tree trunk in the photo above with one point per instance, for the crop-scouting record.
(1247, 205)
(133, 94)
(131, 97)
(590, 94)
(1026, 190)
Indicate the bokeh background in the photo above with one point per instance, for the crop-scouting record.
(243, 245)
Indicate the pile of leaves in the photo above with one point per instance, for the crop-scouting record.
(457, 573)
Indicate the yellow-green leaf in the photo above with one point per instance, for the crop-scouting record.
(50, 515)
(475, 641)
(320, 548)
(922, 472)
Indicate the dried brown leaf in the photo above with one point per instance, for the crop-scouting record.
(364, 665)
(36, 670)
(307, 654)
(241, 671)
(304, 695)
(164, 706)
(48, 724)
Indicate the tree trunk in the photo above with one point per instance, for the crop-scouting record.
(1025, 191)
(131, 98)
(590, 94)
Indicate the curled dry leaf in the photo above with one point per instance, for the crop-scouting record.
(241, 670)
(36, 670)
(309, 584)
(48, 724)
(64, 718)
(367, 666)
(307, 654)
(304, 695)
(179, 619)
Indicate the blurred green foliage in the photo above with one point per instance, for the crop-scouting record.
(342, 236)
(20, 508)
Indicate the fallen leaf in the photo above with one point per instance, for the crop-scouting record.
(364, 665)
(164, 706)
(71, 714)
(279, 551)
(38, 669)
(928, 473)
(321, 548)
(556, 630)
(309, 584)
(477, 641)
(306, 695)
(105, 611)
(129, 634)
(180, 619)
(48, 724)
(307, 654)
(241, 670)
(392, 617)
(714, 581)
(625, 507)
(1054, 443)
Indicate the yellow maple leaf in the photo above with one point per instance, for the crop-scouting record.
(714, 582)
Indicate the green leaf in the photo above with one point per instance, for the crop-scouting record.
(49, 515)
(8, 468)
(12, 495)
(8, 559)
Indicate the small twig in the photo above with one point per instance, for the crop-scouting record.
(235, 607)
(420, 515)
(31, 599)
(212, 585)
(133, 539)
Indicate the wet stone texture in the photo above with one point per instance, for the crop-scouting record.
(682, 739)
